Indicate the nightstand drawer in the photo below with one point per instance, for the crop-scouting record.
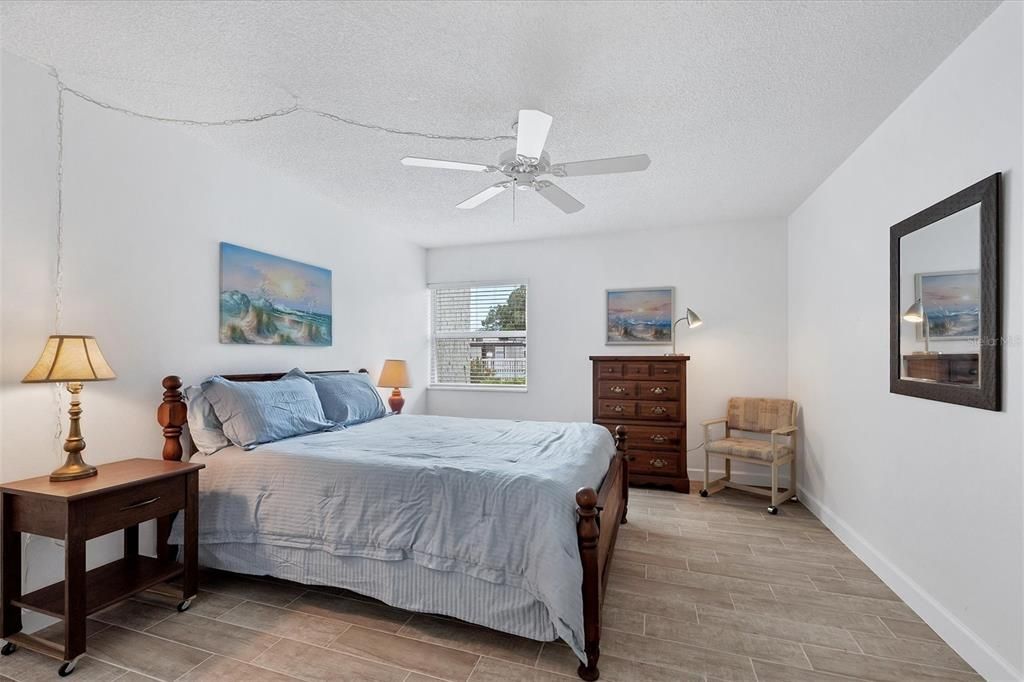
(122, 508)
(614, 409)
(658, 463)
(616, 389)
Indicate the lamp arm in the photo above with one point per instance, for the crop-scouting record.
(674, 325)
(927, 332)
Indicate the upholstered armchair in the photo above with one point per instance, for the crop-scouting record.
(772, 416)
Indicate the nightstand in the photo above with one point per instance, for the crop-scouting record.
(120, 497)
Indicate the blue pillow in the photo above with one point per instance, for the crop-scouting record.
(255, 412)
(348, 399)
(204, 427)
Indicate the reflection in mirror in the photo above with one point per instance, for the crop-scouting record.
(940, 300)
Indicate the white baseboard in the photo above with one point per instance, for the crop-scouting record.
(964, 641)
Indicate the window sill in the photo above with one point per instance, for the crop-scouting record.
(485, 389)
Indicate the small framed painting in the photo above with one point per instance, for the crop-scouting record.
(952, 304)
(639, 317)
(267, 299)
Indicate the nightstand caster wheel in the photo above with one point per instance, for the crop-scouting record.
(773, 510)
(704, 492)
(184, 604)
(67, 667)
(8, 649)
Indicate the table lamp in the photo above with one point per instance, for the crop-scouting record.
(395, 375)
(692, 320)
(71, 359)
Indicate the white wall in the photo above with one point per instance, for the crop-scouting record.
(145, 208)
(734, 276)
(927, 493)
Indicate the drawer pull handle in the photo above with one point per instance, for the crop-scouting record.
(658, 463)
(617, 389)
(617, 408)
(659, 410)
(144, 503)
(658, 438)
(658, 390)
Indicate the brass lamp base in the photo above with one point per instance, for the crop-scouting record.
(74, 466)
(72, 469)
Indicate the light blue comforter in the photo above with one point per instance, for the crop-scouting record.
(490, 499)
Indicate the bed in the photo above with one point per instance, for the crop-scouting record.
(509, 525)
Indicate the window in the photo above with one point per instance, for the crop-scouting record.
(478, 335)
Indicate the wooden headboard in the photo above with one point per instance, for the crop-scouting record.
(172, 414)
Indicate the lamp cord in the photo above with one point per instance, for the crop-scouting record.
(58, 284)
(296, 107)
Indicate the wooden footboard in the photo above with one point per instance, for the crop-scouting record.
(597, 525)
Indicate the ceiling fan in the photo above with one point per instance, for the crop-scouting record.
(523, 166)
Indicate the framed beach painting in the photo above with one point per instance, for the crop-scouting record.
(952, 304)
(640, 317)
(267, 299)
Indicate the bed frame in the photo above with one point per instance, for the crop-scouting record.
(596, 539)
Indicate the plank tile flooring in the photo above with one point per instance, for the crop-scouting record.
(702, 589)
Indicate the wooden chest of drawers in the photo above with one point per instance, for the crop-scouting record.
(647, 395)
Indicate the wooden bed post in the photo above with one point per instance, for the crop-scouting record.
(172, 415)
(620, 446)
(589, 532)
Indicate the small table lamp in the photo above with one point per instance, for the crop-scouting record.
(395, 375)
(73, 359)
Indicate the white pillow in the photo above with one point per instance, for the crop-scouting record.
(203, 425)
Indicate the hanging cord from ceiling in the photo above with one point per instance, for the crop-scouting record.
(295, 108)
(58, 282)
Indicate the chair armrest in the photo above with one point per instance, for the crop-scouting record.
(784, 431)
(707, 424)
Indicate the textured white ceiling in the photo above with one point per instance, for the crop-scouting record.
(744, 108)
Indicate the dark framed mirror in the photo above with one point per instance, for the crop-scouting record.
(944, 291)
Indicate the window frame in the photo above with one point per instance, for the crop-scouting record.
(434, 335)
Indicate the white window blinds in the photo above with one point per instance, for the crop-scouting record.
(478, 334)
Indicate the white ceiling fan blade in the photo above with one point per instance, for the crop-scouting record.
(481, 197)
(616, 164)
(558, 196)
(448, 165)
(532, 133)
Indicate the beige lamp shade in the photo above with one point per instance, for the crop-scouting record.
(395, 374)
(70, 358)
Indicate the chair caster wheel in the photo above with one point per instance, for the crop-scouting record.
(773, 510)
(66, 668)
(184, 604)
(704, 493)
(8, 649)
